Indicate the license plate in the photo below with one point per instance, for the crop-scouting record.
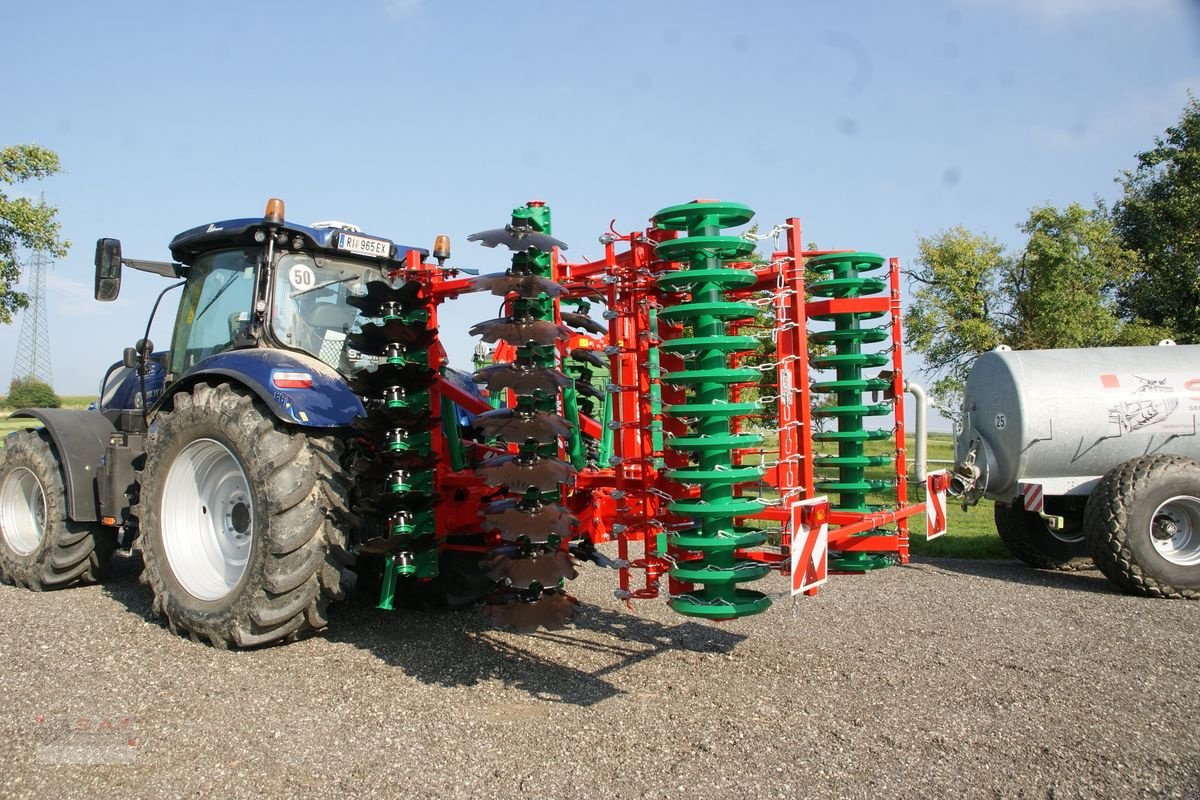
(364, 245)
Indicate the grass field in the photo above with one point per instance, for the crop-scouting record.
(9, 425)
(971, 534)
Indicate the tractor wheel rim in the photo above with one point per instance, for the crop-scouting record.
(207, 520)
(22, 511)
(1175, 530)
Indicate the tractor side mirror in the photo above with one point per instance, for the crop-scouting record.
(133, 356)
(108, 269)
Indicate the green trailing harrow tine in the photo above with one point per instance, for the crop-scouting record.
(654, 366)
(606, 434)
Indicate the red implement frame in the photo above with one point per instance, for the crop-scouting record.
(626, 499)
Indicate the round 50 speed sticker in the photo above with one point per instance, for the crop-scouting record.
(301, 277)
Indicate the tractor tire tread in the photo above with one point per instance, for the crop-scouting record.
(71, 552)
(288, 586)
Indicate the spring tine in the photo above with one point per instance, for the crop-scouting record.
(588, 357)
(583, 321)
(583, 387)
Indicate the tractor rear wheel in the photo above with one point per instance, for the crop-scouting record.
(1143, 526)
(40, 548)
(1030, 539)
(242, 520)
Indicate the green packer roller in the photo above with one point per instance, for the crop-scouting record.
(707, 377)
(847, 275)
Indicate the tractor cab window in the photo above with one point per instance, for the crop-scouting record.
(310, 312)
(215, 307)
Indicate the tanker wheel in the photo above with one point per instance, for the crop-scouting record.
(242, 520)
(1030, 539)
(1143, 526)
(40, 548)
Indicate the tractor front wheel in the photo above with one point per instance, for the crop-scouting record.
(241, 520)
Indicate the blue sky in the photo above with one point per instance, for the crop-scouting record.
(874, 122)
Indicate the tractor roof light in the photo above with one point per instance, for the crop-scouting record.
(441, 248)
(274, 214)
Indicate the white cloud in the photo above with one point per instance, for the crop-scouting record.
(1148, 114)
(399, 9)
(70, 298)
(1057, 11)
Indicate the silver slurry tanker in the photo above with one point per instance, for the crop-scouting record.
(1091, 455)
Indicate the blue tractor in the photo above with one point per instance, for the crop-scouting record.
(222, 459)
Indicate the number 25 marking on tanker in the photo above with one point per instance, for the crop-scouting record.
(1001, 422)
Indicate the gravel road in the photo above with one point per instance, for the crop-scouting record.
(945, 678)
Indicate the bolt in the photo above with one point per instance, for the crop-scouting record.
(1164, 528)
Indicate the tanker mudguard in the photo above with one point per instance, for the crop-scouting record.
(79, 437)
(328, 403)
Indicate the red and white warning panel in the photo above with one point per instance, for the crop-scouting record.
(936, 485)
(1035, 498)
(810, 544)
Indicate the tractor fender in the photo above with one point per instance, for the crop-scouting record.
(80, 438)
(328, 403)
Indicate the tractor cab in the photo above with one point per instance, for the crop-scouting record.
(253, 284)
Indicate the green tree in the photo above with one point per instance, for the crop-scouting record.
(23, 223)
(957, 311)
(1061, 290)
(1158, 216)
(31, 393)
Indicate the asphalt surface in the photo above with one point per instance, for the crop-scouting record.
(945, 678)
